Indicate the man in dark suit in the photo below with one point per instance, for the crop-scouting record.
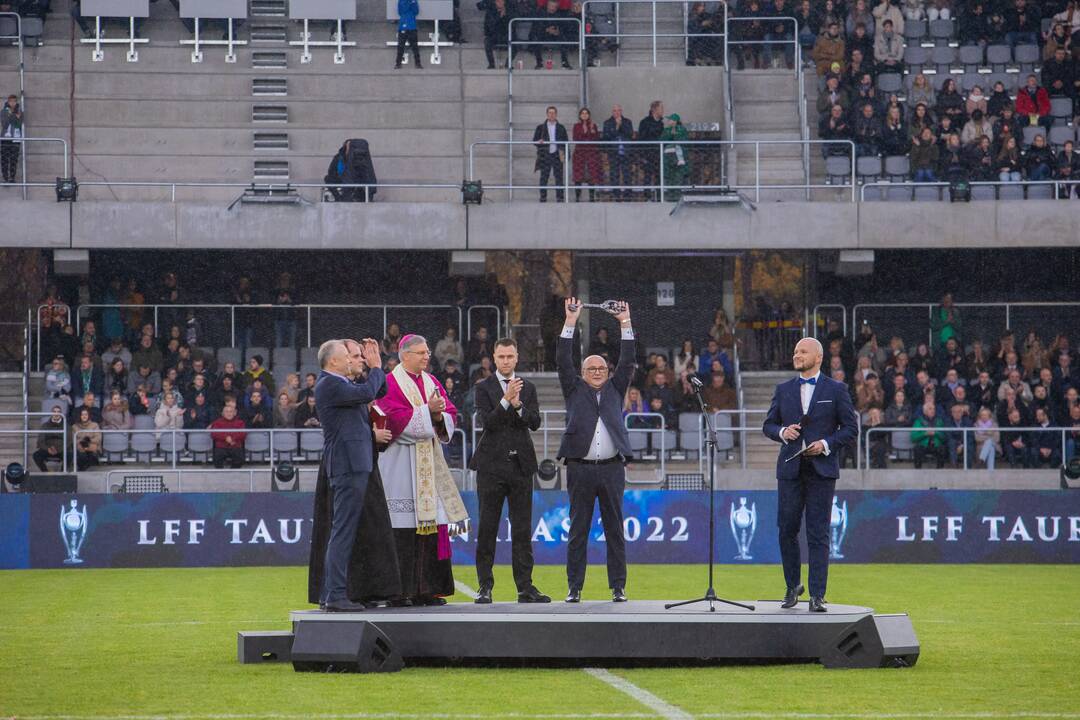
(347, 454)
(550, 138)
(505, 462)
(812, 417)
(595, 447)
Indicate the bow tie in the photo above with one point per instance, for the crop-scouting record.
(808, 381)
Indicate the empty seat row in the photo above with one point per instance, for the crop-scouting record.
(943, 59)
(144, 445)
(934, 193)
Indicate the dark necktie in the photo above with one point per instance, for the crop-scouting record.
(808, 381)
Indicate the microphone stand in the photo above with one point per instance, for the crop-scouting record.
(710, 442)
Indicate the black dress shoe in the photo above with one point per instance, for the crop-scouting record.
(483, 596)
(532, 595)
(816, 605)
(400, 602)
(791, 599)
(343, 606)
(574, 596)
(322, 606)
(618, 595)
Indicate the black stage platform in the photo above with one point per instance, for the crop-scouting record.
(632, 633)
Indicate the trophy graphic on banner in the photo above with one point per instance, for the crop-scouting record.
(837, 529)
(743, 524)
(73, 525)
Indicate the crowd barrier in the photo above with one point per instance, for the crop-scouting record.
(221, 530)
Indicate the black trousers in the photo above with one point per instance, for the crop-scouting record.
(9, 159)
(551, 165)
(516, 490)
(587, 485)
(940, 453)
(233, 457)
(349, 491)
(407, 36)
(811, 495)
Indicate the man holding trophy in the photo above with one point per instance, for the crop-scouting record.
(595, 447)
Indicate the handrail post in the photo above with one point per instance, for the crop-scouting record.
(308, 326)
(232, 326)
(661, 198)
(654, 33)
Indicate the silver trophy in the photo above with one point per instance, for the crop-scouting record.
(610, 306)
(743, 524)
(73, 525)
(837, 529)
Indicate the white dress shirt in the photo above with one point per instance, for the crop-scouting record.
(602, 447)
(552, 136)
(806, 394)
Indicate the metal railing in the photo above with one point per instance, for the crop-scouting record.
(964, 431)
(817, 319)
(619, 35)
(930, 307)
(635, 150)
(27, 431)
(468, 322)
(662, 430)
(1023, 185)
(741, 413)
(17, 37)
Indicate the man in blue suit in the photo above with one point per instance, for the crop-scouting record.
(811, 416)
(595, 446)
(347, 452)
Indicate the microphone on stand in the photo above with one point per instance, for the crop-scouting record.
(695, 381)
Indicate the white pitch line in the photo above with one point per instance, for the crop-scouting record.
(465, 589)
(646, 698)
(945, 715)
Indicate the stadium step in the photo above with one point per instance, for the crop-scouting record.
(270, 113)
(267, 140)
(269, 34)
(269, 59)
(270, 170)
(267, 8)
(267, 86)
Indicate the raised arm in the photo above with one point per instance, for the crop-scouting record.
(624, 371)
(564, 350)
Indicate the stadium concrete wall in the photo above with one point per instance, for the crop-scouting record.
(238, 529)
(636, 226)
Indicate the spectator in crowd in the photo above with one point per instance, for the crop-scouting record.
(661, 399)
(860, 40)
(169, 414)
(391, 340)
(959, 444)
(833, 94)
(702, 29)
(244, 294)
(650, 130)
(197, 387)
(167, 387)
(1006, 127)
(1045, 444)
(588, 169)
(780, 35)
(116, 415)
(11, 132)
(351, 165)
(133, 310)
(987, 438)
(50, 445)
(722, 331)
(926, 438)
(922, 92)
(950, 103)
(1015, 382)
(1058, 38)
(1022, 24)
(976, 100)
(602, 346)
(866, 130)
(876, 442)
(1011, 402)
(718, 395)
(292, 387)
(1035, 356)
(749, 35)
(898, 413)
(924, 157)
(835, 127)
(86, 439)
(869, 395)
(676, 157)
(634, 403)
(974, 25)
(306, 415)
(452, 371)
(148, 354)
(889, 49)
(285, 317)
(1064, 375)
(309, 387)
(894, 133)
(197, 414)
(58, 381)
(552, 27)
(87, 378)
(141, 402)
(618, 130)
(256, 371)
(406, 32)
(226, 390)
(117, 376)
(116, 350)
(483, 372)
(976, 128)
(713, 352)
(496, 30)
(1067, 167)
(228, 438)
(144, 376)
(550, 139)
(686, 360)
(1008, 162)
(999, 100)
(857, 65)
(283, 412)
(449, 348)
(1033, 104)
(888, 10)
(480, 346)
(981, 160)
(660, 368)
(1039, 159)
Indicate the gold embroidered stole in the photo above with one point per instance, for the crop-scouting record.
(432, 473)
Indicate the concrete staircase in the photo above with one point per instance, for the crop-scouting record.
(765, 109)
(758, 390)
(11, 401)
(817, 162)
(637, 19)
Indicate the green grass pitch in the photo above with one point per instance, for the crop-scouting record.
(997, 641)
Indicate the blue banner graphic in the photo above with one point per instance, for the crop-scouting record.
(237, 529)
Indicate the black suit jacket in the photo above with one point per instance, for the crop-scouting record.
(541, 134)
(582, 408)
(343, 411)
(505, 431)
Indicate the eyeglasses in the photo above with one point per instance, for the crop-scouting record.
(419, 352)
(596, 370)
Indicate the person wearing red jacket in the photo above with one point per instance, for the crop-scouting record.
(228, 446)
(1033, 104)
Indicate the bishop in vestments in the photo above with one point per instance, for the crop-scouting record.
(425, 505)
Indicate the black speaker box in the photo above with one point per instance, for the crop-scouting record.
(876, 641)
(328, 646)
(51, 483)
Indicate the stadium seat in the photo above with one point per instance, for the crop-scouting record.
(229, 355)
(1061, 108)
(285, 445)
(971, 57)
(280, 375)
(166, 443)
(256, 445)
(983, 192)
(311, 444)
(874, 193)
(639, 441)
(1027, 56)
(899, 194)
(254, 350)
(309, 357)
(1030, 133)
(1040, 192)
(1009, 80)
(916, 57)
(305, 370)
(941, 31)
(8, 26)
(927, 194)
(890, 82)
(200, 445)
(1059, 134)
(725, 439)
(32, 30)
(114, 446)
(902, 443)
(969, 80)
(144, 422)
(998, 57)
(49, 403)
(664, 351)
(914, 31)
(143, 445)
(943, 57)
(1012, 191)
(283, 357)
(897, 167)
(838, 168)
(868, 168)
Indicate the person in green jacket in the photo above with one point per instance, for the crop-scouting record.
(945, 321)
(676, 158)
(929, 441)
